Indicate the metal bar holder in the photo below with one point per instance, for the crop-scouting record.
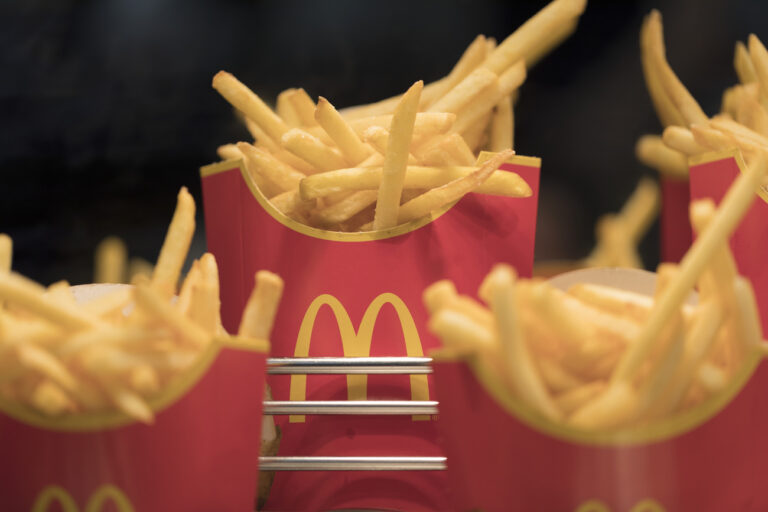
(351, 366)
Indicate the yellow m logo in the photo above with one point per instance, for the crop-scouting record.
(54, 493)
(358, 344)
(647, 505)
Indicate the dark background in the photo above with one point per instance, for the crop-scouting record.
(106, 106)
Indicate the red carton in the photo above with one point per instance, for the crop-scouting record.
(711, 176)
(201, 453)
(358, 294)
(675, 227)
(504, 457)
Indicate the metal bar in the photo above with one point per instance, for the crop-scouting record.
(349, 365)
(351, 463)
(357, 407)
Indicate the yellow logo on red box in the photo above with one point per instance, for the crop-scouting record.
(108, 492)
(647, 505)
(357, 343)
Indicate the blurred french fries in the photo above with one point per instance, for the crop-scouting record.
(119, 350)
(445, 125)
(602, 359)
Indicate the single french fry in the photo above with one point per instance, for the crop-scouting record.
(6, 252)
(139, 267)
(502, 126)
(681, 139)
(482, 104)
(452, 191)
(130, 403)
(748, 318)
(711, 378)
(613, 300)
(676, 91)
(50, 399)
(753, 115)
(395, 161)
(311, 149)
(261, 308)
(738, 131)
(742, 63)
(614, 407)
(458, 331)
(175, 246)
(517, 358)
(476, 136)
(464, 91)
(438, 295)
(426, 123)
(352, 148)
(485, 291)
(759, 56)
(345, 209)
(144, 380)
(732, 208)
(245, 100)
(555, 38)
(157, 306)
(668, 113)
(228, 152)
(303, 106)
(575, 398)
(449, 150)
(651, 151)
(378, 138)
(204, 304)
(710, 138)
(270, 168)
(556, 377)
(286, 110)
(534, 34)
(291, 204)
(110, 264)
(640, 209)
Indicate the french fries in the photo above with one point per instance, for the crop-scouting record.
(445, 126)
(121, 349)
(600, 359)
(742, 123)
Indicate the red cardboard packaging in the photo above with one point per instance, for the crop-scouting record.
(358, 294)
(675, 228)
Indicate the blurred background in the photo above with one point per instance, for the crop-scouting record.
(107, 107)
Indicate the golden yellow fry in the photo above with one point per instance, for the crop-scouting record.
(555, 38)
(722, 272)
(742, 63)
(260, 162)
(28, 295)
(748, 318)
(130, 403)
(378, 138)
(286, 110)
(144, 380)
(759, 56)
(265, 142)
(110, 264)
(738, 132)
(483, 104)
(464, 91)
(352, 148)
(228, 152)
(710, 138)
(396, 159)
(485, 291)
(442, 295)
(158, 307)
(674, 88)
(312, 149)
(191, 281)
(452, 191)
(614, 407)
(556, 378)
(129, 335)
(175, 246)
(711, 378)
(139, 267)
(640, 209)
(425, 124)
(574, 399)
(6, 252)
(204, 304)
(437, 295)
(476, 136)
(613, 300)
(753, 115)
(345, 209)
(303, 106)
(517, 358)
(502, 126)
(291, 204)
(681, 139)
(458, 331)
(245, 100)
(261, 308)
(651, 151)
(666, 110)
(732, 208)
(534, 34)
(448, 150)
(50, 399)
(35, 358)
(472, 57)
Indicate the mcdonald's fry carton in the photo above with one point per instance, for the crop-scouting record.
(199, 454)
(675, 229)
(505, 457)
(358, 294)
(711, 176)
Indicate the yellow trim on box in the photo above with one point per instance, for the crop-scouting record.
(176, 388)
(342, 236)
(636, 434)
(735, 153)
(527, 161)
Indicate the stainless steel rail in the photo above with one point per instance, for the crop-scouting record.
(354, 407)
(349, 365)
(352, 463)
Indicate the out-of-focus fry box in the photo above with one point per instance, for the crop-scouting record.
(200, 453)
(358, 294)
(504, 456)
(711, 175)
(675, 228)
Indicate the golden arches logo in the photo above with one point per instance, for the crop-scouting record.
(647, 505)
(357, 343)
(55, 493)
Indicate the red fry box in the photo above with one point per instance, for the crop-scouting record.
(358, 294)
(711, 176)
(675, 227)
(200, 454)
(503, 456)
